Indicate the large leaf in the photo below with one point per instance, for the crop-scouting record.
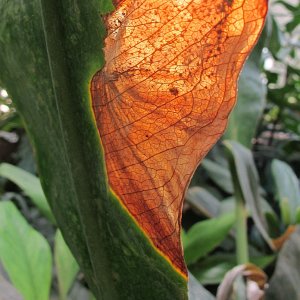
(204, 236)
(30, 184)
(124, 228)
(48, 78)
(287, 191)
(66, 266)
(25, 254)
(284, 283)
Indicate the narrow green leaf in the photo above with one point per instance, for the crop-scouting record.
(287, 190)
(203, 201)
(219, 174)
(31, 186)
(204, 236)
(25, 254)
(247, 182)
(66, 265)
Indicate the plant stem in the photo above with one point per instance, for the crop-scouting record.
(241, 232)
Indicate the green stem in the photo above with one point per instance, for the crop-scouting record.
(241, 232)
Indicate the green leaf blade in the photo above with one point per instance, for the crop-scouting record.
(204, 236)
(30, 185)
(66, 265)
(25, 254)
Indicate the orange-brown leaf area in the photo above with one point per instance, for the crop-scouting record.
(163, 98)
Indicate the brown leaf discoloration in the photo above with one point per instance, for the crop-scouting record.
(163, 98)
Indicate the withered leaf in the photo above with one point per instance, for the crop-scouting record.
(163, 98)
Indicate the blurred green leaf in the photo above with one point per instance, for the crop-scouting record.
(204, 236)
(211, 270)
(66, 265)
(251, 101)
(274, 35)
(284, 283)
(31, 186)
(25, 254)
(219, 174)
(287, 190)
(203, 201)
(246, 179)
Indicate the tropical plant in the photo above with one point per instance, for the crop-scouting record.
(239, 201)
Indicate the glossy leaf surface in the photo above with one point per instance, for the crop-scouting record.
(163, 98)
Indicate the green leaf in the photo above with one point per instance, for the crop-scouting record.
(66, 265)
(251, 101)
(25, 254)
(284, 283)
(31, 186)
(48, 79)
(203, 202)
(204, 236)
(211, 270)
(287, 190)
(275, 37)
(219, 174)
(246, 180)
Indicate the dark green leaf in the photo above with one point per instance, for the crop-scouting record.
(244, 119)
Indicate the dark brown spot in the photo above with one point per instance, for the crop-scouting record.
(174, 91)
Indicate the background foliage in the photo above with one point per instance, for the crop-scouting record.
(243, 204)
